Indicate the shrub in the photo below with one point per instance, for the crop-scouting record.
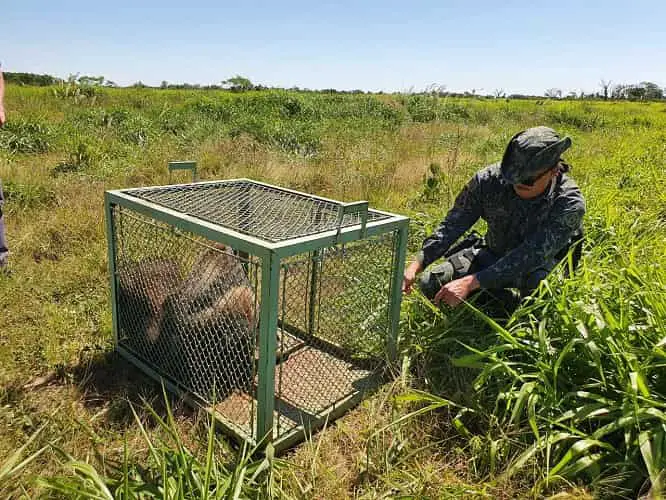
(25, 137)
(452, 111)
(422, 108)
(27, 195)
(579, 120)
(84, 157)
(290, 136)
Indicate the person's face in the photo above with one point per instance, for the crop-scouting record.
(536, 186)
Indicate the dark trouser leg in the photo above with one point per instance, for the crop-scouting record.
(531, 281)
(498, 302)
(432, 280)
(4, 251)
(467, 261)
(473, 260)
(510, 298)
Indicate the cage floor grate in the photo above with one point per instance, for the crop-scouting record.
(308, 383)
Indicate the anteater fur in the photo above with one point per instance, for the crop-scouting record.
(142, 289)
(210, 322)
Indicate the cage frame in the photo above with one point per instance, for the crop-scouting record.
(271, 255)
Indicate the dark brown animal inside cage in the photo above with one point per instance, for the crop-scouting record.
(197, 328)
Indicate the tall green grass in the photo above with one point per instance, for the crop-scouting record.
(171, 470)
(12, 465)
(569, 390)
(572, 389)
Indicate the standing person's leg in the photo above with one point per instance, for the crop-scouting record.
(4, 251)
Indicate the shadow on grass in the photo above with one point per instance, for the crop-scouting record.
(110, 385)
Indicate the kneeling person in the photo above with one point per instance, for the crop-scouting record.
(533, 211)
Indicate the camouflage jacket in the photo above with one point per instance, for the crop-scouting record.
(525, 234)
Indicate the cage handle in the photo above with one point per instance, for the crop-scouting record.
(183, 165)
(356, 207)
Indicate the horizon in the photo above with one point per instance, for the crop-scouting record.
(387, 47)
(258, 86)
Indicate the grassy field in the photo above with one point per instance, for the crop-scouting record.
(568, 397)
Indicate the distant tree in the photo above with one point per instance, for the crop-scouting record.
(553, 93)
(435, 89)
(238, 84)
(30, 79)
(90, 81)
(499, 93)
(644, 91)
(138, 85)
(471, 93)
(620, 91)
(605, 87)
(164, 84)
(636, 92)
(652, 90)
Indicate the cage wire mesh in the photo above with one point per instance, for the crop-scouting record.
(189, 308)
(334, 325)
(266, 212)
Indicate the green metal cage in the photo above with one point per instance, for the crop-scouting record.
(275, 310)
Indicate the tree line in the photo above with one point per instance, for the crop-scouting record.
(643, 91)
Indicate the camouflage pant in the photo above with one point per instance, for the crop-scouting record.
(4, 251)
(472, 260)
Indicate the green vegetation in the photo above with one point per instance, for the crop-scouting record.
(173, 471)
(567, 396)
(30, 79)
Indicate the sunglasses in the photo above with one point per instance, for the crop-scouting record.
(530, 181)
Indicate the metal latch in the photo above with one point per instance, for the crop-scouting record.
(357, 207)
(183, 165)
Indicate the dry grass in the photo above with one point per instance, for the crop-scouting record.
(56, 319)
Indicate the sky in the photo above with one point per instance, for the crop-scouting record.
(516, 46)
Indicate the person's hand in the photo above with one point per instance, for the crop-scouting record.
(2, 116)
(410, 277)
(454, 292)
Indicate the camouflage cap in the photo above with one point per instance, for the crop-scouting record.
(531, 152)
